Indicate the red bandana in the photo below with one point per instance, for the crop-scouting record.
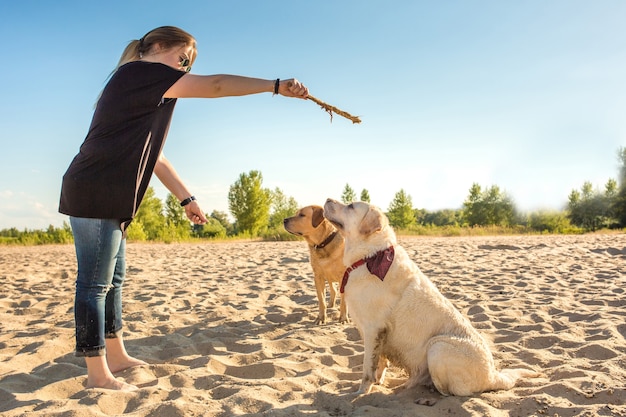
(378, 264)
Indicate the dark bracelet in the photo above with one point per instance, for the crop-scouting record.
(276, 85)
(187, 201)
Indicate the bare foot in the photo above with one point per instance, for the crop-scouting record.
(113, 384)
(126, 363)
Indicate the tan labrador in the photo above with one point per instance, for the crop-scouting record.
(326, 249)
(403, 317)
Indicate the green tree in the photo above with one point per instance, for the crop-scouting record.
(473, 207)
(610, 188)
(446, 217)
(281, 207)
(348, 195)
(178, 227)
(420, 216)
(573, 204)
(611, 194)
(488, 208)
(174, 212)
(588, 208)
(249, 203)
(173, 233)
(400, 213)
(211, 229)
(365, 195)
(549, 222)
(150, 215)
(222, 218)
(12, 232)
(499, 206)
(62, 235)
(136, 231)
(618, 205)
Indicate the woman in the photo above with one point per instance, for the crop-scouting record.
(105, 183)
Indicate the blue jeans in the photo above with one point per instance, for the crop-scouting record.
(101, 255)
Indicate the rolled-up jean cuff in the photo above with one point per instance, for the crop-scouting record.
(113, 335)
(91, 352)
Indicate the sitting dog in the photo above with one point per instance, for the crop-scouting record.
(326, 249)
(402, 316)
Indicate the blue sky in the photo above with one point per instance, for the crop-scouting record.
(528, 95)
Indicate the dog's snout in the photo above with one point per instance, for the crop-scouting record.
(328, 205)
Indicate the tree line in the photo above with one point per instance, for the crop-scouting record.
(587, 210)
(258, 212)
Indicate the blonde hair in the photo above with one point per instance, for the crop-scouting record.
(165, 36)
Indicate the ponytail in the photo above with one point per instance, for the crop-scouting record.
(165, 36)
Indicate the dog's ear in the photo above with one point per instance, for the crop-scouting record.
(318, 216)
(373, 221)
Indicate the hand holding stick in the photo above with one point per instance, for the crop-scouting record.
(325, 106)
(332, 109)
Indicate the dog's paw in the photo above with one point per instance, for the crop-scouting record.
(365, 388)
(429, 402)
(381, 371)
(380, 377)
(320, 320)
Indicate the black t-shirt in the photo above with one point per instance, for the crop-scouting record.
(109, 176)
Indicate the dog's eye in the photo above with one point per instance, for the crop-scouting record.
(301, 215)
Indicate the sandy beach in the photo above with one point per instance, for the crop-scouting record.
(228, 330)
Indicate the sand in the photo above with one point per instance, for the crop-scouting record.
(228, 330)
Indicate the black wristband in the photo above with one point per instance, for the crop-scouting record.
(276, 85)
(187, 201)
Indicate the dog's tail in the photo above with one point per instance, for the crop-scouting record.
(508, 378)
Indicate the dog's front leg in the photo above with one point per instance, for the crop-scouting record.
(333, 294)
(320, 288)
(343, 310)
(373, 341)
(381, 370)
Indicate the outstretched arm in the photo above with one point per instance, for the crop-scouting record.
(223, 85)
(166, 173)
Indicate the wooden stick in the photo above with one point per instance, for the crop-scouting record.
(332, 109)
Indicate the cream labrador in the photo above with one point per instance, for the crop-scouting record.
(402, 316)
(326, 255)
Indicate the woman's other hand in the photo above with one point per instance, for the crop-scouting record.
(195, 213)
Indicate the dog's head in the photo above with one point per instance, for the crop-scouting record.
(305, 221)
(359, 223)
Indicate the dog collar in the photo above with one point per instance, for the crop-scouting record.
(378, 264)
(326, 241)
